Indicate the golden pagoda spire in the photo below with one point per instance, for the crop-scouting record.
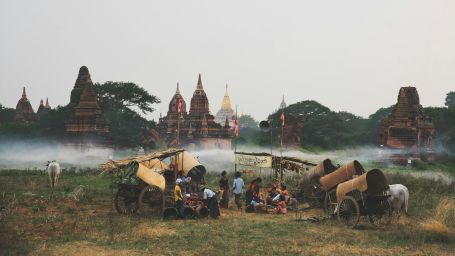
(226, 104)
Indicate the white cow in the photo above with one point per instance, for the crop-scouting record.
(399, 198)
(53, 169)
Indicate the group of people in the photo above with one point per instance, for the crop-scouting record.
(209, 197)
(278, 198)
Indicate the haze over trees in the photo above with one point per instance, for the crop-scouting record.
(125, 103)
(121, 103)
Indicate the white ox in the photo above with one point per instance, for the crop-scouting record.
(53, 169)
(399, 198)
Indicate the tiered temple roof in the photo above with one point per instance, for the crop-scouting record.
(407, 128)
(88, 123)
(43, 109)
(24, 110)
(198, 127)
(226, 111)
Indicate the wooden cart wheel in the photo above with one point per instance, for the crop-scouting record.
(330, 202)
(381, 214)
(151, 201)
(348, 212)
(126, 200)
(316, 193)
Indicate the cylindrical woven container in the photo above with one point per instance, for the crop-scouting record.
(342, 174)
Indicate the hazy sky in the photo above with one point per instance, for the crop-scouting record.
(348, 55)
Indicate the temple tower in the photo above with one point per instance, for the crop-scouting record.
(24, 110)
(199, 102)
(88, 123)
(43, 109)
(407, 129)
(283, 104)
(197, 129)
(226, 110)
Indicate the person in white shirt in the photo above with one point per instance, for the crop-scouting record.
(211, 201)
(237, 189)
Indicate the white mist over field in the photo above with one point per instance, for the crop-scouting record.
(30, 155)
(34, 155)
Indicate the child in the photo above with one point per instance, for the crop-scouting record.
(237, 189)
(178, 197)
(281, 208)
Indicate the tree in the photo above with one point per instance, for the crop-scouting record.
(119, 102)
(247, 121)
(6, 114)
(121, 95)
(450, 100)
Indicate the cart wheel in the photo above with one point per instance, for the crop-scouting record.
(330, 202)
(151, 201)
(348, 212)
(381, 215)
(126, 200)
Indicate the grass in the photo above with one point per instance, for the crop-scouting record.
(77, 218)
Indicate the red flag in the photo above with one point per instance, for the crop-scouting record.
(236, 128)
(282, 118)
(180, 107)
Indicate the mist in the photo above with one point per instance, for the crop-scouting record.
(17, 154)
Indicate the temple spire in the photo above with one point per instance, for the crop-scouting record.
(41, 103)
(283, 104)
(199, 83)
(178, 89)
(24, 94)
(47, 103)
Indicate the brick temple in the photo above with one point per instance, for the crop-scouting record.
(24, 110)
(88, 124)
(407, 129)
(196, 128)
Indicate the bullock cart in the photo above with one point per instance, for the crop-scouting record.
(309, 187)
(364, 196)
(146, 183)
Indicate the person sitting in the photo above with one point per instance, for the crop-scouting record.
(211, 201)
(281, 207)
(252, 197)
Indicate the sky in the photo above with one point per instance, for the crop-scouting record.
(348, 55)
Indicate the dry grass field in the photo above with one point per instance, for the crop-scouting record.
(78, 219)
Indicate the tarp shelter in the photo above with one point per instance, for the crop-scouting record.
(277, 164)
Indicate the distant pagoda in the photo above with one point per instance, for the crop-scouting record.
(43, 109)
(226, 111)
(283, 104)
(407, 129)
(88, 124)
(24, 111)
(197, 128)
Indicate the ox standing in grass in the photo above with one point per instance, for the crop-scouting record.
(399, 198)
(53, 169)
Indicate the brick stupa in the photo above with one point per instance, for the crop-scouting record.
(24, 111)
(88, 123)
(196, 129)
(407, 129)
(43, 110)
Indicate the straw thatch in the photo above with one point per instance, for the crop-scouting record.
(114, 165)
